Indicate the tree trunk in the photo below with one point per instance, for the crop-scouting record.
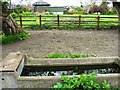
(9, 26)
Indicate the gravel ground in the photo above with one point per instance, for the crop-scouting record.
(102, 43)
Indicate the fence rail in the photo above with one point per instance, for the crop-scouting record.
(59, 21)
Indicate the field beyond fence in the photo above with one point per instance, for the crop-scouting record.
(67, 22)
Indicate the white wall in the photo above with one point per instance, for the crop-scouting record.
(58, 13)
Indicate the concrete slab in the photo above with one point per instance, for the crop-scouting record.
(11, 62)
(10, 69)
(9, 80)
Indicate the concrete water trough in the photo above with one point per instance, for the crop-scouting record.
(13, 67)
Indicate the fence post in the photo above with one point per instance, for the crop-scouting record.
(40, 17)
(79, 20)
(98, 22)
(58, 21)
(21, 21)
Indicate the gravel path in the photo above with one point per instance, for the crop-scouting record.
(40, 43)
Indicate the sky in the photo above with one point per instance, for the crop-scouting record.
(59, 2)
(54, 2)
(63, 2)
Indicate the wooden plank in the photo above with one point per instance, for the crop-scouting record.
(98, 22)
(108, 17)
(21, 21)
(58, 20)
(26, 20)
(40, 17)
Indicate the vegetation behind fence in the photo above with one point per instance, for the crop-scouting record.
(67, 22)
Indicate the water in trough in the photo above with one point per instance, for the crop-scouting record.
(69, 70)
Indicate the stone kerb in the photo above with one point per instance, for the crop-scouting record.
(48, 81)
(73, 61)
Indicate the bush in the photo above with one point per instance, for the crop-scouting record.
(22, 14)
(27, 14)
(20, 10)
(14, 15)
(85, 82)
(111, 13)
(13, 38)
(65, 11)
(79, 12)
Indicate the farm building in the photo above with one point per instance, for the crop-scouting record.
(42, 6)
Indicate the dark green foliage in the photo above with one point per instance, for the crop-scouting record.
(13, 38)
(27, 13)
(58, 55)
(111, 13)
(85, 82)
(20, 10)
(78, 10)
(14, 15)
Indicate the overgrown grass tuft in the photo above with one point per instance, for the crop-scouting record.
(14, 38)
(58, 55)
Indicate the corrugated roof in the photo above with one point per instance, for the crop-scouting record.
(41, 3)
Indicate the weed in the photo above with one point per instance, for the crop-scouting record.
(58, 55)
(13, 38)
(85, 82)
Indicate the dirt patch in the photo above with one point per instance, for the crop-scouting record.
(99, 42)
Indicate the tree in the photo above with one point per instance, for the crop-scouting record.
(117, 6)
(94, 9)
(9, 26)
(103, 7)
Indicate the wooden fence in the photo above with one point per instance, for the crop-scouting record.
(59, 21)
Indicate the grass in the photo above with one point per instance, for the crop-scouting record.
(13, 38)
(58, 55)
